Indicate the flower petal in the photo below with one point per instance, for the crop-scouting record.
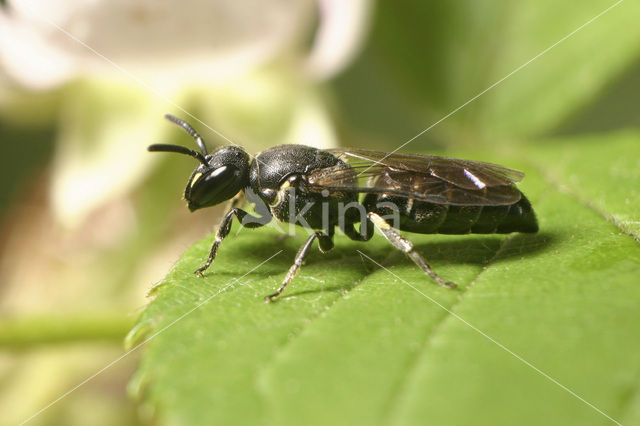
(340, 35)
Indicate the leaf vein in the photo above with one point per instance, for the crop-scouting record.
(553, 180)
(263, 389)
(402, 386)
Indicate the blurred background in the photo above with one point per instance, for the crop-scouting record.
(89, 220)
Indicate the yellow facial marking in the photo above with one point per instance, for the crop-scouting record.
(195, 178)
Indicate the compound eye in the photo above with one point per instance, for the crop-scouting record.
(213, 186)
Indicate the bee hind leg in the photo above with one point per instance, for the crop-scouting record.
(405, 246)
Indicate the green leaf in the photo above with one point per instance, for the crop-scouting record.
(441, 55)
(543, 329)
(602, 173)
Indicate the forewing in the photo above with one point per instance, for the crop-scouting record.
(462, 173)
(429, 178)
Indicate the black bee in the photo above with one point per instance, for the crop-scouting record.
(322, 189)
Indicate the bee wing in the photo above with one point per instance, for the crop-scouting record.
(430, 178)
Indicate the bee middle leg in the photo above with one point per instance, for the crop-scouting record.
(326, 243)
(405, 246)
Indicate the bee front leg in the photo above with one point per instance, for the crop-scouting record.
(247, 220)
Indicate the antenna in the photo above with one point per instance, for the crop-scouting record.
(187, 127)
(160, 147)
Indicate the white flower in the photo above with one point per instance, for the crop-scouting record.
(163, 50)
(44, 43)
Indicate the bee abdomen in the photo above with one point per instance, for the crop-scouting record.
(428, 218)
(518, 217)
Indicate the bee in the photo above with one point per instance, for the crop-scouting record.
(354, 190)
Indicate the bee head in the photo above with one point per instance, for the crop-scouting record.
(220, 175)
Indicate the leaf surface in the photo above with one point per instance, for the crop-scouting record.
(543, 329)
